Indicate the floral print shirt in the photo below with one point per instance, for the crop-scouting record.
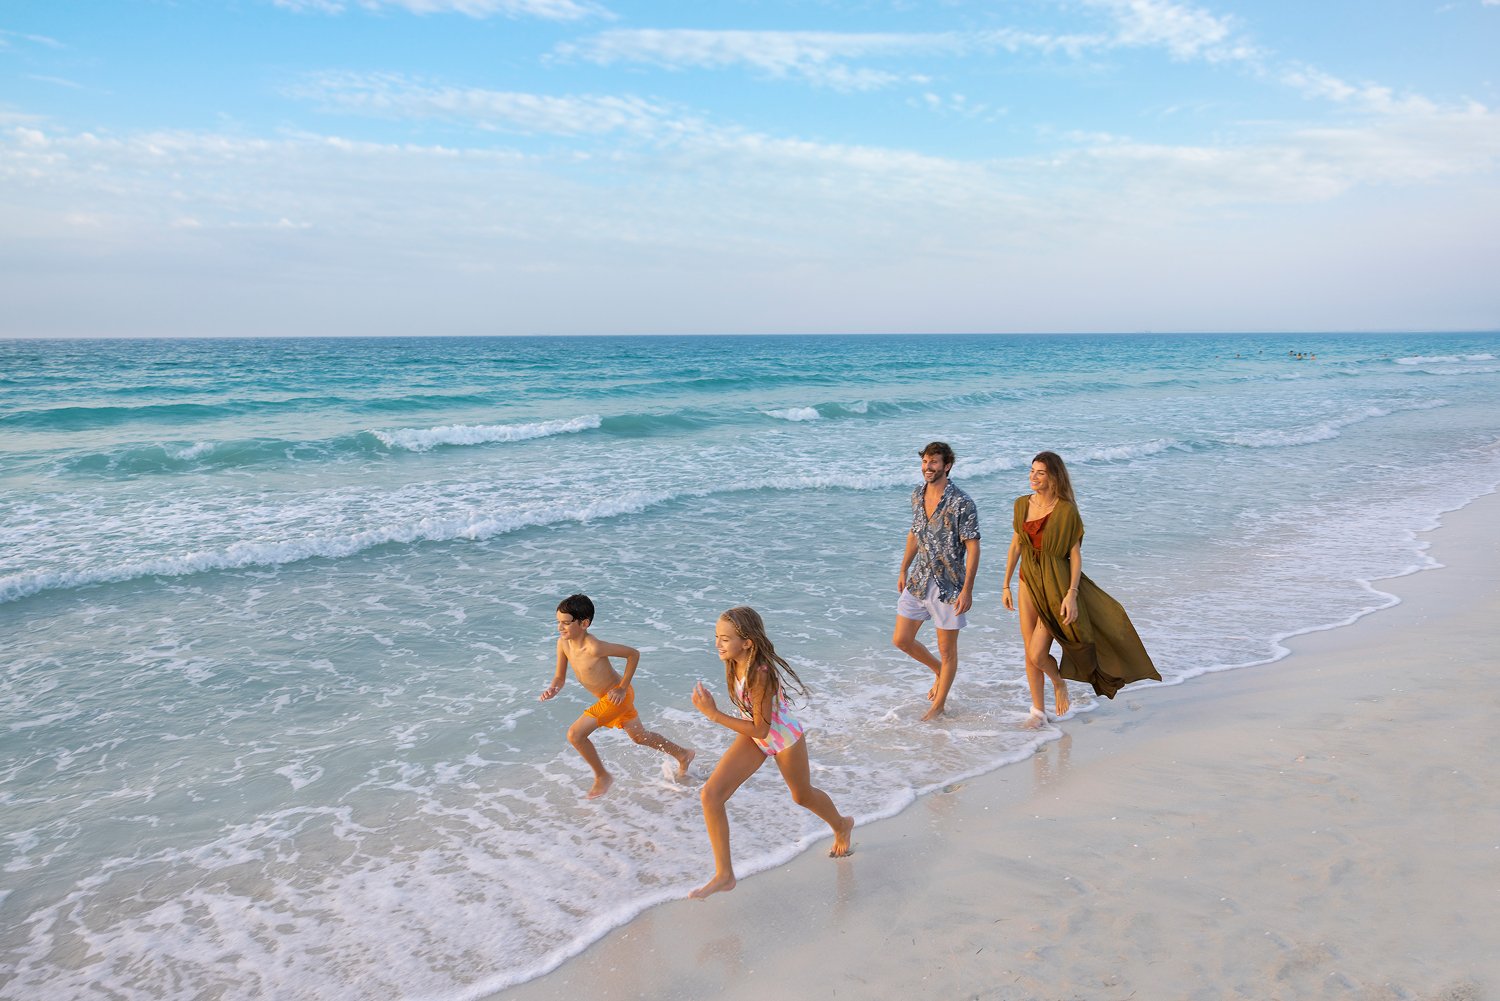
(940, 542)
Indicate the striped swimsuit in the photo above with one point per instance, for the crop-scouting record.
(785, 729)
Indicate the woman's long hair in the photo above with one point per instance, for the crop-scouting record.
(748, 623)
(1058, 474)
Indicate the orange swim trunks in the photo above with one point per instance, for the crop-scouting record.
(609, 714)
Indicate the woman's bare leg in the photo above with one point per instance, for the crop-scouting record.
(1039, 660)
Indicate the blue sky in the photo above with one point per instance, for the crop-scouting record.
(265, 167)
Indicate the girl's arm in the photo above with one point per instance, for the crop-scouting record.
(760, 700)
(1011, 555)
(1069, 610)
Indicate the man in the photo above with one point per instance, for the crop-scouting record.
(937, 571)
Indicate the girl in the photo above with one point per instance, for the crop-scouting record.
(765, 728)
(1058, 602)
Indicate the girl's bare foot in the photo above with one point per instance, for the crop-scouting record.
(932, 692)
(842, 839)
(601, 785)
(684, 762)
(1035, 720)
(1063, 703)
(718, 884)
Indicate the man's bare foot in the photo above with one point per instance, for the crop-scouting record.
(1035, 720)
(842, 838)
(601, 786)
(718, 884)
(1063, 702)
(933, 713)
(684, 762)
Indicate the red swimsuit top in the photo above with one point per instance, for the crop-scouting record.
(1034, 530)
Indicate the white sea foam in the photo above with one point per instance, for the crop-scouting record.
(1440, 359)
(795, 414)
(425, 439)
(1325, 430)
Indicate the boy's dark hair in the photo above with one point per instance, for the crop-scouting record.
(578, 606)
(940, 449)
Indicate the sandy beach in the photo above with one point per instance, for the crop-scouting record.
(1327, 826)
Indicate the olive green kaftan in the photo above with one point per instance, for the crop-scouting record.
(1100, 647)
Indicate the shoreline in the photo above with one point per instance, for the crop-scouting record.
(1297, 828)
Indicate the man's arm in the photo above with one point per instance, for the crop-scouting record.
(906, 558)
(965, 599)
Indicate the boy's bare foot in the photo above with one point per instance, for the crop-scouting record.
(1063, 703)
(1035, 720)
(716, 885)
(841, 840)
(601, 786)
(684, 762)
(933, 713)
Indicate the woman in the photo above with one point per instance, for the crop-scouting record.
(1058, 602)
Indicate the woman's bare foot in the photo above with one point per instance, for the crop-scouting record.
(684, 762)
(601, 785)
(718, 884)
(932, 713)
(932, 692)
(842, 838)
(1063, 702)
(1035, 720)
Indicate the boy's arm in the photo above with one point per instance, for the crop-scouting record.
(559, 677)
(630, 655)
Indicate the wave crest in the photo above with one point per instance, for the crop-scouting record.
(426, 439)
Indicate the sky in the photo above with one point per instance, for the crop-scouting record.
(460, 167)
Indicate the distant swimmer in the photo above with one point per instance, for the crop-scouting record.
(1058, 602)
(937, 571)
(589, 655)
(764, 726)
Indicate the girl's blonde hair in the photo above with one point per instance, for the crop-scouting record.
(1058, 474)
(748, 623)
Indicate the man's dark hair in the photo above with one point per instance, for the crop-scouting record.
(939, 448)
(578, 606)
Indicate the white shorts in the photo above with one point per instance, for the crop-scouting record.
(942, 613)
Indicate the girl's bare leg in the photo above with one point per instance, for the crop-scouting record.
(798, 776)
(739, 762)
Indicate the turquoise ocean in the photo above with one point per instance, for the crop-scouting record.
(275, 613)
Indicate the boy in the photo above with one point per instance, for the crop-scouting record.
(589, 656)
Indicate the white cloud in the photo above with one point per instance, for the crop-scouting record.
(1185, 31)
(551, 10)
(394, 96)
(8, 38)
(823, 58)
(815, 56)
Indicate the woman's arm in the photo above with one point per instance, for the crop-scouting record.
(1069, 610)
(1011, 556)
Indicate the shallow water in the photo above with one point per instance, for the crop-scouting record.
(276, 613)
